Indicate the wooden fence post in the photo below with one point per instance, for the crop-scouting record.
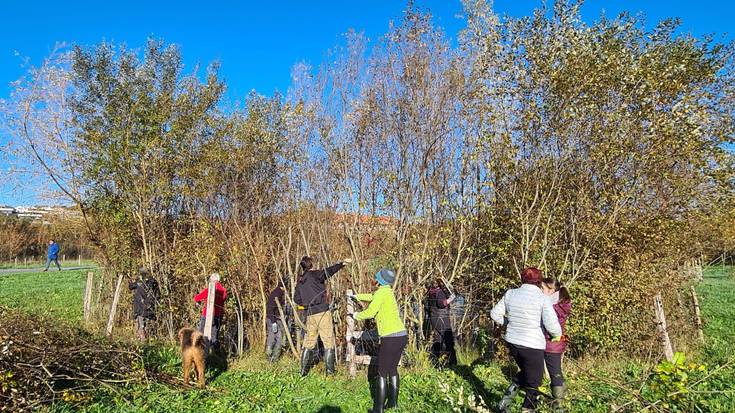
(88, 296)
(700, 333)
(661, 325)
(350, 332)
(113, 308)
(209, 318)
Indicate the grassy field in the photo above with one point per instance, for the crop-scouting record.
(54, 293)
(251, 384)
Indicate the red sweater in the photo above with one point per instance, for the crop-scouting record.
(220, 295)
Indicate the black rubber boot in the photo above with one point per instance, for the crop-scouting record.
(330, 356)
(379, 395)
(394, 385)
(507, 400)
(276, 352)
(558, 393)
(305, 361)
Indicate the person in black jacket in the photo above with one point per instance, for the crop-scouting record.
(274, 342)
(443, 337)
(145, 296)
(311, 294)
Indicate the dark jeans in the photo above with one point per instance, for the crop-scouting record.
(389, 354)
(56, 260)
(553, 365)
(531, 363)
(216, 321)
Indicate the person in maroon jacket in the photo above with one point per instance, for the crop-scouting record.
(220, 295)
(562, 303)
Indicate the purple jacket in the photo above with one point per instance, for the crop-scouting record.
(562, 309)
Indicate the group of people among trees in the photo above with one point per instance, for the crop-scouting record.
(533, 315)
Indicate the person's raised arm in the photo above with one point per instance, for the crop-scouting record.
(549, 319)
(330, 271)
(202, 295)
(372, 309)
(498, 312)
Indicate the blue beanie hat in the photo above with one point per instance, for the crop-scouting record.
(385, 276)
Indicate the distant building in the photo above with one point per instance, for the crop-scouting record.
(7, 211)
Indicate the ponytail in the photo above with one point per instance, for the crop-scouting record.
(554, 283)
(564, 293)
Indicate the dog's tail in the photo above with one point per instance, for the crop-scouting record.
(188, 337)
(197, 339)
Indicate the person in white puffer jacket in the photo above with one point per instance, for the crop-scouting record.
(523, 311)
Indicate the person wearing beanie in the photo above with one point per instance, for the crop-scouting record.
(393, 338)
(311, 296)
(145, 296)
(523, 311)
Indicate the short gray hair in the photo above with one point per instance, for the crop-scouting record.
(214, 277)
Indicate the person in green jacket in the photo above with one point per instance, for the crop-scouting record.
(393, 338)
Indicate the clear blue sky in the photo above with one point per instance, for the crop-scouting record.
(257, 43)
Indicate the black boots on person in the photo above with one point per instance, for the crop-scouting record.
(306, 357)
(329, 359)
(385, 394)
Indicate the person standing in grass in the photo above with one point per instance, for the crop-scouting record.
(145, 297)
(561, 301)
(523, 311)
(274, 341)
(393, 338)
(52, 254)
(442, 348)
(311, 294)
(220, 295)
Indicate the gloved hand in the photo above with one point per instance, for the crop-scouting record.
(299, 307)
(354, 316)
(352, 296)
(274, 327)
(451, 298)
(556, 339)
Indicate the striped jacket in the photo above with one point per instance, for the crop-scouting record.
(523, 310)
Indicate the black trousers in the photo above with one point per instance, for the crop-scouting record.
(553, 365)
(389, 354)
(531, 363)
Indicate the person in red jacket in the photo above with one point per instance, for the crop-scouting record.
(220, 295)
(562, 303)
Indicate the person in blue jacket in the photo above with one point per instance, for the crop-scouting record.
(52, 255)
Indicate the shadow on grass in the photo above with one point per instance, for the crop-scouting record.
(217, 364)
(329, 409)
(478, 386)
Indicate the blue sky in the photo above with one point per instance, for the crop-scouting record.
(257, 43)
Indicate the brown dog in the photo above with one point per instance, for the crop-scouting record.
(192, 351)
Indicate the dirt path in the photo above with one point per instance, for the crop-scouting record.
(6, 271)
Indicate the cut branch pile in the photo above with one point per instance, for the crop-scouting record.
(43, 361)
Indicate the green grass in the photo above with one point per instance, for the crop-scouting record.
(717, 303)
(40, 263)
(250, 384)
(55, 293)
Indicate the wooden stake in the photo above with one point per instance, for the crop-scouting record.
(661, 325)
(350, 333)
(209, 318)
(88, 296)
(286, 331)
(700, 333)
(113, 308)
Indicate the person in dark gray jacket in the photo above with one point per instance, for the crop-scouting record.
(145, 297)
(522, 311)
(442, 348)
